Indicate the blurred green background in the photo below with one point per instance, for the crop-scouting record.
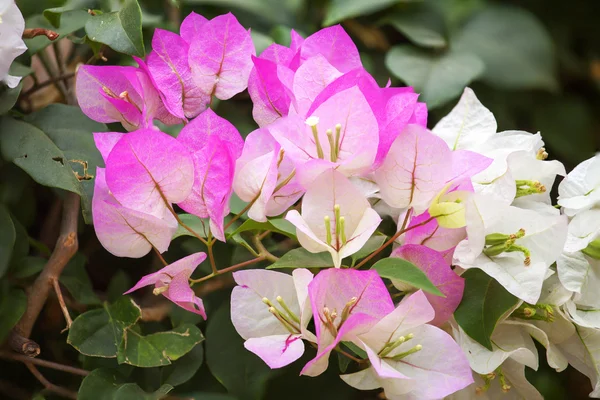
(534, 63)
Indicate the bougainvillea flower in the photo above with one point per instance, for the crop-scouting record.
(173, 282)
(120, 94)
(580, 190)
(523, 245)
(335, 217)
(264, 175)
(12, 46)
(334, 44)
(214, 144)
(440, 274)
(270, 311)
(220, 57)
(125, 232)
(190, 26)
(148, 170)
(432, 235)
(410, 359)
(169, 67)
(345, 303)
(105, 141)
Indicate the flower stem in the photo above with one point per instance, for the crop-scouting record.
(228, 269)
(263, 250)
(391, 240)
(238, 215)
(211, 256)
(187, 228)
(161, 258)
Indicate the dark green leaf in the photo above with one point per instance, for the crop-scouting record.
(439, 77)
(240, 371)
(280, 11)
(421, 24)
(356, 350)
(484, 302)
(99, 332)
(515, 47)
(183, 369)
(72, 132)
(8, 97)
(21, 247)
(343, 362)
(107, 384)
(340, 10)
(71, 21)
(370, 246)
(301, 258)
(75, 278)
(54, 15)
(198, 225)
(13, 304)
(8, 235)
(27, 267)
(278, 225)
(120, 30)
(236, 205)
(119, 284)
(159, 348)
(401, 270)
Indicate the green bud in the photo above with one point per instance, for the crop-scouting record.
(496, 238)
(495, 250)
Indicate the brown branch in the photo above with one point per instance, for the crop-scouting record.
(23, 345)
(66, 247)
(43, 363)
(47, 82)
(61, 301)
(31, 33)
(49, 386)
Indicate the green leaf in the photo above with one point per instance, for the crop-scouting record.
(13, 303)
(484, 302)
(278, 225)
(75, 278)
(261, 41)
(422, 25)
(120, 30)
(370, 246)
(21, 248)
(8, 235)
(277, 11)
(197, 224)
(183, 369)
(71, 21)
(439, 77)
(515, 47)
(99, 332)
(240, 371)
(71, 132)
(119, 284)
(401, 270)
(108, 384)
(54, 15)
(27, 267)
(301, 258)
(159, 348)
(340, 10)
(8, 97)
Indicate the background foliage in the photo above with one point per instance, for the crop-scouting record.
(534, 63)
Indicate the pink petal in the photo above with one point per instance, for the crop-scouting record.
(466, 164)
(276, 351)
(184, 266)
(334, 288)
(190, 26)
(125, 232)
(432, 235)
(268, 86)
(168, 65)
(213, 177)
(295, 40)
(310, 79)
(381, 367)
(440, 274)
(419, 116)
(220, 57)
(335, 45)
(147, 170)
(198, 133)
(105, 141)
(181, 293)
(415, 169)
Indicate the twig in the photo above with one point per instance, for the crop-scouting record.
(65, 249)
(156, 312)
(165, 263)
(31, 33)
(49, 386)
(61, 301)
(228, 269)
(390, 241)
(62, 88)
(43, 363)
(47, 82)
(211, 256)
(263, 250)
(23, 345)
(238, 215)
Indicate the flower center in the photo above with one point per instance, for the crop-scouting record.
(488, 378)
(526, 187)
(286, 316)
(328, 317)
(498, 243)
(334, 140)
(340, 229)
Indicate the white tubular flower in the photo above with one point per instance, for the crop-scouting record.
(12, 26)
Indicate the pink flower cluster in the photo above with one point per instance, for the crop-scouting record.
(351, 153)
